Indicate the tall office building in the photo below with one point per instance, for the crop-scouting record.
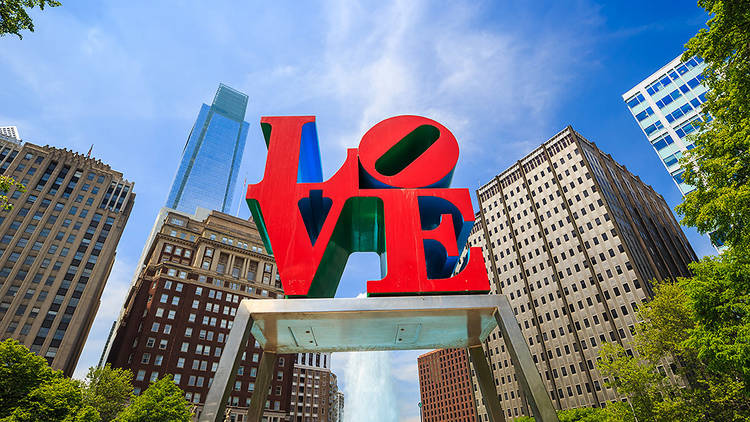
(667, 107)
(180, 309)
(313, 388)
(335, 400)
(573, 240)
(10, 133)
(207, 174)
(57, 247)
(445, 387)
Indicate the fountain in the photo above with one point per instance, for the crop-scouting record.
(369, 388)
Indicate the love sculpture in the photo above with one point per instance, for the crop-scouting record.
(392, 197)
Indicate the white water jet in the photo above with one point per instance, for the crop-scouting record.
(368, 389)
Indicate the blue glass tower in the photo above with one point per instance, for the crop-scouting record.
(207, 175)
(667, 107)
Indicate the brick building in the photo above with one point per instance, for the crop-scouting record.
(178, 313)
(445, 386)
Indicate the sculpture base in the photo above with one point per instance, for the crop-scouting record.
(379, 323)
(387, 323)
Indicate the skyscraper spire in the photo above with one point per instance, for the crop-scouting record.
(207, 174)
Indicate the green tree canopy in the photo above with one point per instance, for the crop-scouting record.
(14, 17)
(108, 390)
(32, 391)
(20, 373)
(58, 400)
(719, 165)
(162, 401)
(582, 414)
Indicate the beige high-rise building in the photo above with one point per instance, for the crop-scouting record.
(573, 240)
(57, 247)
(313, 388)
(335, 400)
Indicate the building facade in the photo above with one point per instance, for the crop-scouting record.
(667, 107)
(445, 386)
(335, 400)
(207, 174)
(179, 311)
(10, 133)
(337, 407)
(313, 388)
(57, 247)
(573, 240)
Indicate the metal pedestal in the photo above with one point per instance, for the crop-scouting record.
(382, 323)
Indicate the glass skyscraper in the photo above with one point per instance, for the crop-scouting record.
(667, 107)
(207, 174)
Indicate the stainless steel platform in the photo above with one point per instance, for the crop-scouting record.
(380, 323)
(398, 323)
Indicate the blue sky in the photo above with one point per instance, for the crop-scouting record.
(129, 78)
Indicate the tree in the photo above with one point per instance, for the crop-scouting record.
(32, 391)
(162, 401)
(669, 328)
(582, 414)
(14, 17)
(7, 183)
(53, 401)
(20, 373)
(650, 395)
(719, 165)
(108, 390)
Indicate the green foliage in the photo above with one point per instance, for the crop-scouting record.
(582, 414)
(87, 414)
(162, 401)
(7, 183)
(644, 386)
(720, 295)
(108, 390)
(56, 400)
(32, 391)
(719, 165)
(702, 323)
(670, 331)
(14, 17)
(20, 373)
